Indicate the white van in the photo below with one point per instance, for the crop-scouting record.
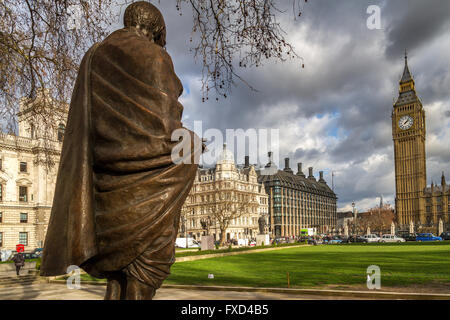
(191, 243)
(372, 238)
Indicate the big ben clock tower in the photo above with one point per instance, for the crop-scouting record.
(408, 131)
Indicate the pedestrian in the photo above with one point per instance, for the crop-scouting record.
(19, 261)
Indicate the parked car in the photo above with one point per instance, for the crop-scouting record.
(427, 237)
(334, 240)
(372, 238)
(280, 240)
(410, 237)
(391, 238)
(406, 235)
(252, 243)
(356, 239)
(30, 255)
(445, 235)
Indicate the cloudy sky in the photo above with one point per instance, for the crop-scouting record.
(335, 115)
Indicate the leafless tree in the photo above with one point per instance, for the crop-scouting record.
(379, 219)
(227, 208)
(42, 43)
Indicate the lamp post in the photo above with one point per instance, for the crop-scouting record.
(354, 219)
(185, 230)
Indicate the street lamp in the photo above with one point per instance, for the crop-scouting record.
(354, 218)
(185, 230)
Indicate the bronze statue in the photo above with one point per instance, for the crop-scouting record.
(262, 225)
(118, 194)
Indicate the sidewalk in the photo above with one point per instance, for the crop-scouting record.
(318, 293)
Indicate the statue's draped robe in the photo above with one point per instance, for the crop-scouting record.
(118, 193)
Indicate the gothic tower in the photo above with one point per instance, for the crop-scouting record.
(408, 132)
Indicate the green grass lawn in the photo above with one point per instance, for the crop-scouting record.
(401, 265)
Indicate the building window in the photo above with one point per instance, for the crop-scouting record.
(1, 192)
(61, 130)
(32, 131)
(23, 238)
(1, 217)
(1, 164)
(1, 239)
(23, 167)
(24, 217)
(23, 194)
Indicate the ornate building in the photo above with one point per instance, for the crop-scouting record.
(28, 168)
(437, 205)
(217, 188)
(297, 201)
(414, 202)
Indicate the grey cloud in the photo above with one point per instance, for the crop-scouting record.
(354, 75)
(414, 23)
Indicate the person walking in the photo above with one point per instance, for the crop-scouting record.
(19, 261)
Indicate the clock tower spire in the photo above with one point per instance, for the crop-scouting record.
(408, 132)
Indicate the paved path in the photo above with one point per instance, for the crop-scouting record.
(50, 291)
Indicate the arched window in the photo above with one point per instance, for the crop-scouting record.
(61, 129)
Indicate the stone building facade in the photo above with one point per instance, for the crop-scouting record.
(224, 184)
(436, 199)
(297, 201)
(28, 169)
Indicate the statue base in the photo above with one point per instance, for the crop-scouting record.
(262, 240)
(207, 243)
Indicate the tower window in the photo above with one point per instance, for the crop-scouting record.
(1, 192)
(61, 130)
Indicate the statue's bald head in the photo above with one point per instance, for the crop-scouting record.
(147, 18)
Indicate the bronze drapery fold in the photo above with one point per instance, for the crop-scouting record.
(118, 195)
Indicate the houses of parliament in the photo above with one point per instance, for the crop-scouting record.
(416, 204)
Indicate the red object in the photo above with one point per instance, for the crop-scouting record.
(20, 248)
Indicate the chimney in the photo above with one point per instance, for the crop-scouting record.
(286, 166)
(299, 170)
(311, 176)
(247, 162)
(321, 177)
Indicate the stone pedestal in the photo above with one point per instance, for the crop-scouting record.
(262, 239)
(207, 243)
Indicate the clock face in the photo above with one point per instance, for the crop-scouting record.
(405, 122)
